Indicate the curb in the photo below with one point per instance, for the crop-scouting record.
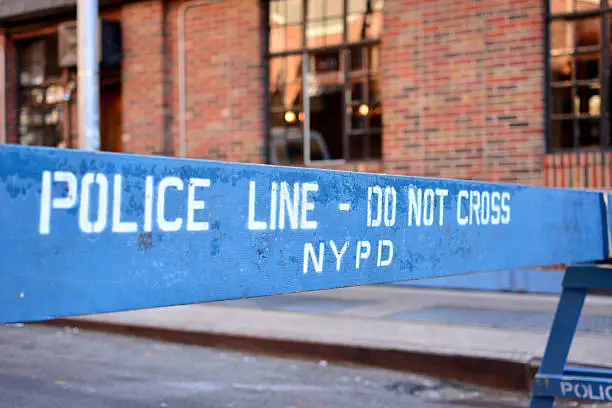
(507, 375)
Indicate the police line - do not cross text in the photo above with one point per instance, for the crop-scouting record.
(286, 206)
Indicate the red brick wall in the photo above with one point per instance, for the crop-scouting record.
(224, 109)
(142, 74)
(463, 89)
(462, 85)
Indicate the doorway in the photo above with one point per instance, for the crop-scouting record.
(110, 117)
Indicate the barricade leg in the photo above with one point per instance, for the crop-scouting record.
(554, 380)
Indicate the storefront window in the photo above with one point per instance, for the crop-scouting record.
(579, 79)
(41, 94)
(325, 80)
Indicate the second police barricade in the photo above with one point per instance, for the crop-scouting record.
(84, 233)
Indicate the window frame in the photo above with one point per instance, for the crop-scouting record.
(304, 52)
(57, 130)
(603, 11)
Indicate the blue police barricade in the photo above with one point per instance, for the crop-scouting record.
(86, 232)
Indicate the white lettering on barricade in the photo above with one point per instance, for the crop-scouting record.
(422, 206)
(505, 219)
(593, 392)
(58, 203)
(308, 205)
(374, 222)
(172, 204)
(339, 254)
(363, 252)
(94, 197)
(442, 194)
(85, 224)
(317, 259)
(288, 207)
(193, 205)
(483, 207)
(162, 222)
(389, 245)
(383, 204)
(291, 206)
(148, 208)
(252, 223)
(118, 225)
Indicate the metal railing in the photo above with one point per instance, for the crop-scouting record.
(591, 170)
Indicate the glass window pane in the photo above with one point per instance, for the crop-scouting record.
(365, 91)
(569, 6)
(375, 23)
(292, 95)
(326, 68)
(286, 141)
(562, 68)
(585, 5)
(32, 63)
(324, 33)
(357, 6)
(587, 66)
(285, 82)
(561, 101)
(333, 8)
(588, 101)
(365, 22)
(326, 122)
(562, 132)
(286, 12)
(364, 60)
(293, 37)
(375, 59)
(278, 72)
(277, 40)
(360, 117)
(588, 32)
(365, 146)
(358, 91)
(293, 68)
(320, 10)
(561, 36)
(277, 118)
(359, 61)
(561, 6)
(334, 29)
(589, 133)
(316, 11)
(568, 36)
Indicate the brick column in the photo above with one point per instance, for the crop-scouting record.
(142, 77)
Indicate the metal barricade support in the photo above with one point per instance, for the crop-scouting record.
(554, 379)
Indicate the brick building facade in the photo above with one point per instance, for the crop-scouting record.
(472, 89)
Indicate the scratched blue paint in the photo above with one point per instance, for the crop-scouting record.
(70, 272)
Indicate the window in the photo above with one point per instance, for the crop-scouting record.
(324, 91)
(41, 94)
(579, 62)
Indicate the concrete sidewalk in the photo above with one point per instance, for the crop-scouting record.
(491, 339)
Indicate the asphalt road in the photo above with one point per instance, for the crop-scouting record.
(47, 367)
